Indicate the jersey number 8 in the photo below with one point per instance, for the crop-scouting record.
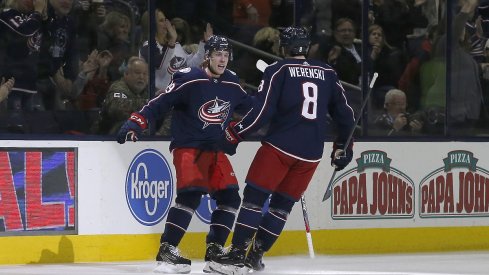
(309, 106)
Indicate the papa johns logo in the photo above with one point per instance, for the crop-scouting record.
(149, 187)
(373, 190)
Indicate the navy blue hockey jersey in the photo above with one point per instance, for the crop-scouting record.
(202, 107)
(20, 40)
(296, 96)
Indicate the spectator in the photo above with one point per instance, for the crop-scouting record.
(466, 96)
(171, 56)
(410, 78)
(182, 28)
(393, 16)
(395, 120)
(113, 36)
(5, 88)
(387, 61)
(89, 15)
(343, 55)
(93, 80)
(266, 39)
(20, 41)
(58, 61)
(125, 96)
(130, 8)
(320, 20)
(252, 12)
(351, 9)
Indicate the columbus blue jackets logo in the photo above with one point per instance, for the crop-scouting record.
(215, 111)
(34, 42)
(149, 187)
(176, 63)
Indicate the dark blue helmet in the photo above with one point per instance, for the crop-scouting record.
(218, 43)
(295, 41)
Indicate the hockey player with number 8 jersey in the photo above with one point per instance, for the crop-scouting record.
(296, 96)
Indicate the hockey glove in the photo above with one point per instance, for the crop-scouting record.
(132, 128)
(230, 141)
(339, 158)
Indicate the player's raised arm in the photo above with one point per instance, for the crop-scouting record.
(264, 103)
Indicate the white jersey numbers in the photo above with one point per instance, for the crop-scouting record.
(309, 106)
(170, 87)
(260, 87)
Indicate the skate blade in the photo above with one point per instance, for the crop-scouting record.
(168, 268)
(228, 269)
(207, 268)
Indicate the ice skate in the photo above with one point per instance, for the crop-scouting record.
(169, 260)
(213, 249)
(230, 262)
(254, 259)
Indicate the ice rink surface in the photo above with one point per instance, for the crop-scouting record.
(406, 264)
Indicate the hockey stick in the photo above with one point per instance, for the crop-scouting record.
(261, 66)
(328, 192)
(308, 228)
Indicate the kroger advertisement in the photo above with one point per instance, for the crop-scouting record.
(129, 188)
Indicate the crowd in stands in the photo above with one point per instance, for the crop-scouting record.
(81, 66)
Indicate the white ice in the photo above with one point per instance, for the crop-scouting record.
(461, 263)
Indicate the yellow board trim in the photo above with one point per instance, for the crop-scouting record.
(106, 248)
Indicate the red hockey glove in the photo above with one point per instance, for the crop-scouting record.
(132, 128)
(231, 139)
(341, 158)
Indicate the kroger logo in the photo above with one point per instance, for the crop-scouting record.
(149, 187)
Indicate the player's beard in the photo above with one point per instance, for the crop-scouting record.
(212, 70)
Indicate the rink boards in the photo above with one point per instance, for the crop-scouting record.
(85, 201)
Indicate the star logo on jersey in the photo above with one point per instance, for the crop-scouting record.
(176, 63)
(34, 42)
(215, 111)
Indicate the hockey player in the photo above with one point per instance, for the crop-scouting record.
(296, 95)
(203, 100)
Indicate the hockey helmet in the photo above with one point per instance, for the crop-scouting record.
(295, 40)
(218, 43)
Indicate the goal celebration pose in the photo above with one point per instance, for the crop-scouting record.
(296, 96)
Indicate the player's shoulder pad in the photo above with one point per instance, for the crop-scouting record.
(185, 75)
(230, 76)
(275, 65)
(188, 73)
(318, 63)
